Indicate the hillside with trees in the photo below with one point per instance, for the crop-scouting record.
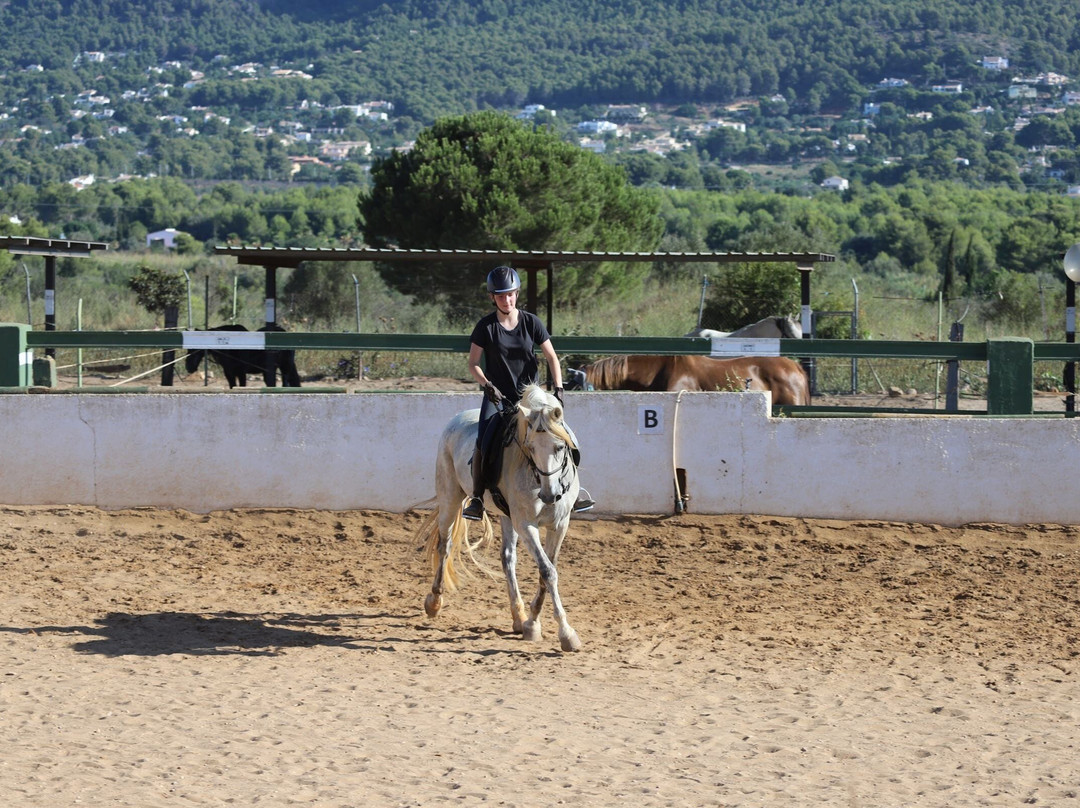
(432, 57)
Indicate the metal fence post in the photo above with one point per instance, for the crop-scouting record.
(1011, 377)
(16, 365)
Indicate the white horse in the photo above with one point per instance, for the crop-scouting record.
(539, 482)
(783, 327)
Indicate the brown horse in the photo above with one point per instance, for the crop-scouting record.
(783, 377)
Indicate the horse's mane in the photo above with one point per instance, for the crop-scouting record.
(607, 374)
(542, 411)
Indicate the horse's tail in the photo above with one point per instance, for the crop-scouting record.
(802, 386)
(428, 533)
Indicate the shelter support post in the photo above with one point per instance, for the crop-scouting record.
(50, 298)
(807, 322)
(1070, 336)
(271, 295)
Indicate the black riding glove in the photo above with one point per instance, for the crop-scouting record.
(493, 394)
(559, 395)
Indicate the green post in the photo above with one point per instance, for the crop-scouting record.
(1011, 379)
(16, 363)
(44, 371)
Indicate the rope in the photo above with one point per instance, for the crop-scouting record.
(680, 500)
(109, 360)
(147, 373)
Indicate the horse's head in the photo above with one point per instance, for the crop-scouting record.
(193, 359)
(790, 328)
(545, 442)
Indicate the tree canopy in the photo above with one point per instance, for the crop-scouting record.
(487, 181)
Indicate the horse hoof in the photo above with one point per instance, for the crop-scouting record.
(531, 631)
(432, 604)
(570, 641)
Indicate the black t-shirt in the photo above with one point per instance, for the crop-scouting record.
(510, 358)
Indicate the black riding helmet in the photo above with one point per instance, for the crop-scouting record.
(502, 280)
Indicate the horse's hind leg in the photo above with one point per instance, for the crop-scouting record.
(434, 600)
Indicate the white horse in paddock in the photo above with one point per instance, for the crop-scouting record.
(539, 483)
(783, 327)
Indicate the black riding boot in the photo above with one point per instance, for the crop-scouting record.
(584, 502)
(474, 508)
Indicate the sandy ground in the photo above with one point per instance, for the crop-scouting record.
(282, 657)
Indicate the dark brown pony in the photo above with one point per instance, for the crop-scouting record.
(784, 377)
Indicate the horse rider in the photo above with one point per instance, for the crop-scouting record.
(505, 340)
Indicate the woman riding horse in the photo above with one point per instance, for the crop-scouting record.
(505, 340)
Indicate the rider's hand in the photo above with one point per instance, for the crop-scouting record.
(493, 394)
(559, 395)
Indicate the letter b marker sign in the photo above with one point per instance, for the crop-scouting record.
(650, 419)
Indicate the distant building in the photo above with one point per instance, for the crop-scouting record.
(835, 183)
(597, 127)
(341, 149)
(163, 238)
(626, 112)
(891, 83)
(529, 111)
(995, 63)
(949, 87)
(299, 162)
(1021, 91)
(738, 126)
(589, 144)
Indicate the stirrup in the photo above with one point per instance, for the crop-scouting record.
(473, 510)
(584, 501)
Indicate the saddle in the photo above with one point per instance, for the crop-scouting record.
(497, 436)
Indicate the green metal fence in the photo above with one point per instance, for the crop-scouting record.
(1010, 361)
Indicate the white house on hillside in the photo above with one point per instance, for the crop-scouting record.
(163, 238)
(597, 127)
(835, 183)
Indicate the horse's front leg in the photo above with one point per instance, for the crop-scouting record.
(549, 579)
(434, 601)
(553, 539)
(509, 565)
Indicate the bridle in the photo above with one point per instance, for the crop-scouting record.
(537, 472)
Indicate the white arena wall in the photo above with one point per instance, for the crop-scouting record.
(214, 451)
